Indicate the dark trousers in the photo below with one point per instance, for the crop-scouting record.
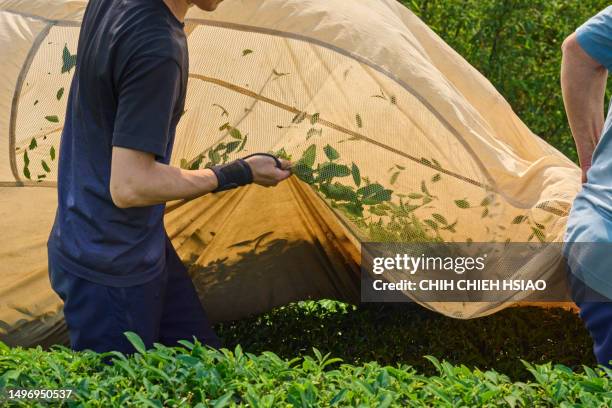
(596, 313)
(164, 310)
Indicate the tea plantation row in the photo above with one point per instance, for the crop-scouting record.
(196, 376)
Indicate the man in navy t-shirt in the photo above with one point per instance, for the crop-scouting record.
(110, 259)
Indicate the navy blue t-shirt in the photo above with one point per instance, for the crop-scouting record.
(128, 90)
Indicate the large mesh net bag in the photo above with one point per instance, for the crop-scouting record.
(395, 138)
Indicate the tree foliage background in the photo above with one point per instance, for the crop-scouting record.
(516, 44)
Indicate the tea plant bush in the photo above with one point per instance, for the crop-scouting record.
(195, 376)
(516, 44)
(404, 333)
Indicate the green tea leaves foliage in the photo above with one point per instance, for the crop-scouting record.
(193, 375)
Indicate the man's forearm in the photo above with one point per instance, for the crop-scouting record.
(146, 182)
(583, 82)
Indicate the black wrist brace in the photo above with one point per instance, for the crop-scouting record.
(231, 175)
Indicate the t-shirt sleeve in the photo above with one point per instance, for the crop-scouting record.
(595, 37)
(147, 94)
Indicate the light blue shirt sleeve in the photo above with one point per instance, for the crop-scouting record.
(595, 37)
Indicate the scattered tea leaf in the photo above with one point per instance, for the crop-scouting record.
(309, 155)
(52, 153)
(356, 174)
(462, 203)
(235, 133)
(394, 177)
(329, 170)
(246, 52)
(299, 117)
(440, 218)
(313, 132)
(52, 118)
(45, 166)
(331, 153)
(68, 60)
(314, 118)
(33, 144)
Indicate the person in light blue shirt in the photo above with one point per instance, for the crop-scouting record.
(587, 59)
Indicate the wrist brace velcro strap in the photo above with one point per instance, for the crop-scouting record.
(231, 175)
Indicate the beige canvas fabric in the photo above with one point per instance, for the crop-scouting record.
(366, 78)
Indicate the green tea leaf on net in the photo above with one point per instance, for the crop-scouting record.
(26, 172)
(214, 157)
(338, 192)
(426, 161)
(358, 121)
(331, 153)
(303, 172)
(486, 201)
(374, 194)
(309, 156)
(33, 144)
(394, 177)
(45, 166)
(462, 204)
(424, 188)
(52, 118)
(432, 224)
(224, 126)
(246, 52)
(370, 189)
(68, 60)
(196, 163)
(538, 234)
(235, 133)
(440, 218)
(52, 153)
(356, 174)
(519, 219)
(231, 146)
(314, 118)
(299, 117)
(329, 170)
(313, 132)
(60, 93)
(184, 164)
(485, 212)
(378, 198)
(244, 141)
(436, 177)
(26, 158)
